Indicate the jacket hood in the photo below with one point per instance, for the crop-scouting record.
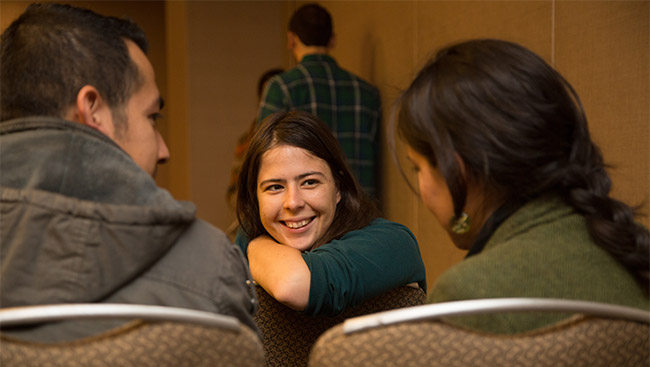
(79, 219)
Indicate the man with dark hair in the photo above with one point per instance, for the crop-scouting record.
(347, 104)
(82, 218)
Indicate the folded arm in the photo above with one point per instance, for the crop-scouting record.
(281, 271)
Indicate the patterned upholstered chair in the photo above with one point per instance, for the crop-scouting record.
(155, 337)
(596, 335)
(289, 335)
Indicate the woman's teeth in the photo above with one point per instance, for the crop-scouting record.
(296, 225)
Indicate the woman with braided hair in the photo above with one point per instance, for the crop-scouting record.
(505, 162)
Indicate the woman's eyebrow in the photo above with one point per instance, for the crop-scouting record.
(299, 177)
(306, 174)
(271, 180)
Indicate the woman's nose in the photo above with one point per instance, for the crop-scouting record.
(293, 199)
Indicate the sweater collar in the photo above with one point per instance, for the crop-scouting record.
(491, 225)
(515, 217)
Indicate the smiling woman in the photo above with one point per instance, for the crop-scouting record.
(318, 244)
(297, 196)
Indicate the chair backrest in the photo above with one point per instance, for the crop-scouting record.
(288, 335)
(156, 336)
(596, 335)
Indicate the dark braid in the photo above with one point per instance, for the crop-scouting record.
(611, 222)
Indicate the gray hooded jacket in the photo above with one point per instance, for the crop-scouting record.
(81, 222)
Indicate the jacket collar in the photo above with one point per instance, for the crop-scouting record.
(73, 160)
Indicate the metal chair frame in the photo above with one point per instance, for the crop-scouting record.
(27, 315)
(493, 305)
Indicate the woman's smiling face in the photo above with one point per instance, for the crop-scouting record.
(297, 196)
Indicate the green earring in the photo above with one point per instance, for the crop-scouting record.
(461, 224)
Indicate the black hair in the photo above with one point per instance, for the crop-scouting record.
(265, 78)
(520, 130)
(52, 50)
(312, 24)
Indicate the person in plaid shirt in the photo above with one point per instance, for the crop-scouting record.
(349, 105)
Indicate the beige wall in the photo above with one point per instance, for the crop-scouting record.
(230, 44)
(223, 49)
(209, 55)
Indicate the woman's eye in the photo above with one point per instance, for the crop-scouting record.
(273, 188)
(310, 182)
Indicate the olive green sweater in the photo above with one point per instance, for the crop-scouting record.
(542, 250)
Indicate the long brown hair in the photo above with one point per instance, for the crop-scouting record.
(300, 129)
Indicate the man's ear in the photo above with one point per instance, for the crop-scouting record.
(291, 40)
(332, 42)
(91, 110)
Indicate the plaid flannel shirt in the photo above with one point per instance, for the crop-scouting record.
(347, 104)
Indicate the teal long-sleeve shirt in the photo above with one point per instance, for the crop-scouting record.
(362, 264)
